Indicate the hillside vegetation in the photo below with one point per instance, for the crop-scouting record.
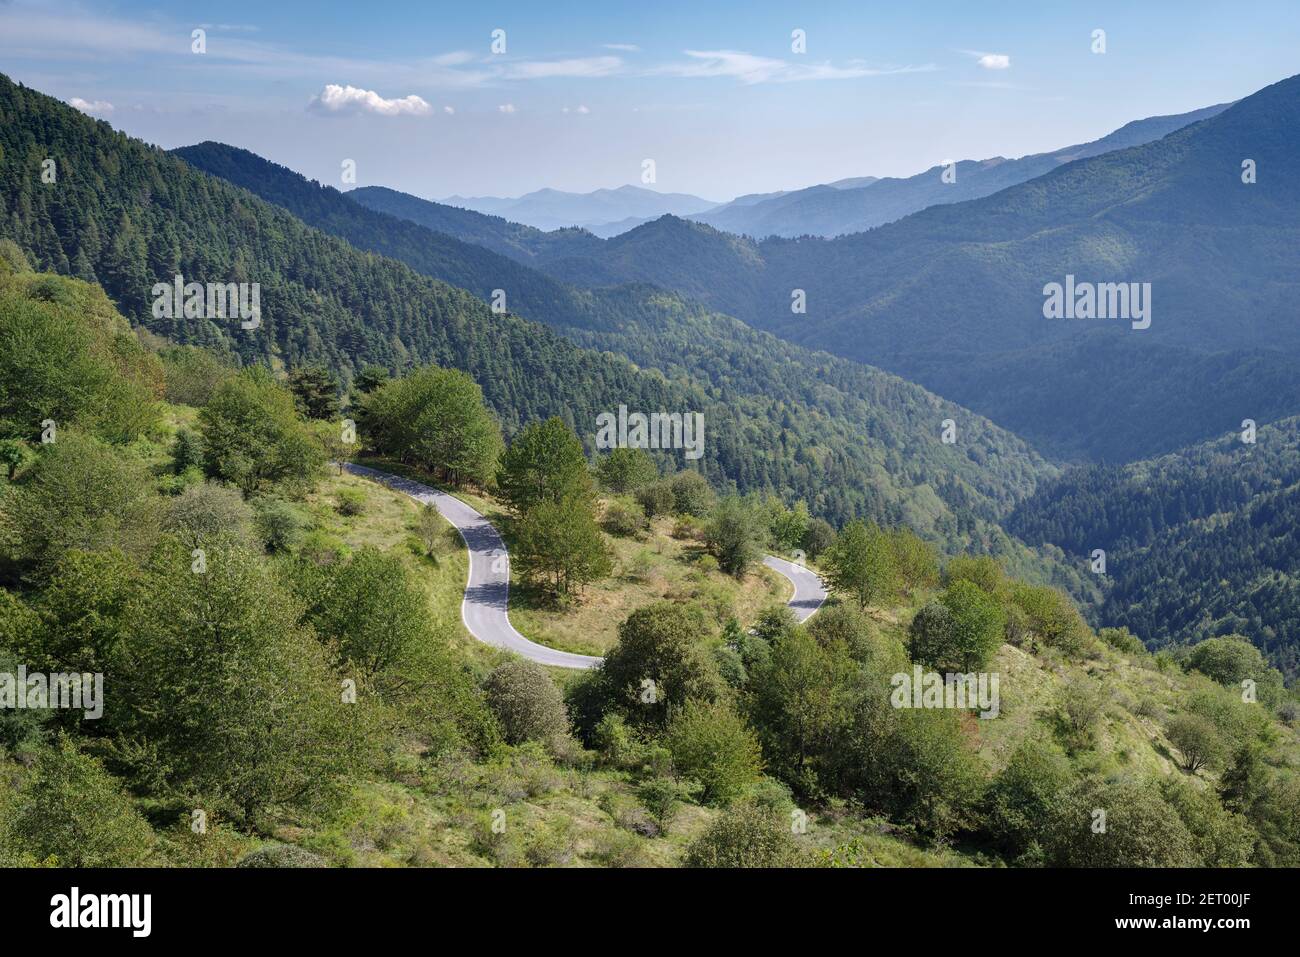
(286, 682)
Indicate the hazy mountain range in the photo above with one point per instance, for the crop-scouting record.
(603, 211)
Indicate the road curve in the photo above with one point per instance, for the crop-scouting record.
(809, 592)
(484, 607)
(483, 610)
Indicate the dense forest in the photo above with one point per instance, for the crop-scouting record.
(1197, 542)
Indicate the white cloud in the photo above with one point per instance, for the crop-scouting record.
(91, 106)
(583, 109)
(350, 99)
(995, 61)
(449, 110)
(506, 108)
(577, 109)
(625, 47)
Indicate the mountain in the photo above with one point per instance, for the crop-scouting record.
(556, 209)
(842, 207)
(1202, 542)
(953, 296)
(848, 438)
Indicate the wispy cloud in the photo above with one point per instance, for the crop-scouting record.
(349, 99)
(750, 68)
(577, 67)
(506, 108)
(624, 47)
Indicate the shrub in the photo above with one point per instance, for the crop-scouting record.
(656, 499)
(282, 855)
(624, 517)
(735, 535)
(280, 525)
(526, 702)
(351, 501)
(691, 494)
(711, 744)
(1079, 705)
(745, 835)
(983, 571)
(1197, 739)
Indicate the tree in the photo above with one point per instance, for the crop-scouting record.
(982, 570)
(14, 453)
(227, 694)
(80, 494)
(315, 391)
(1051, 616)
(959, 632)
(1197, 739)
(526, 702)
(691, 494)
(206, 511)
(430, 526)
(1025, 793)
(861, 564)
(1231, 660)
(711, 744)
(370, 607)
(817, 537)
(917, 565)
(745, 835)
(658, 663)
(625, 470)
(253, 437)
(545, 463)
(1141, 829)
(1079, 706)
(735, 535)
(370, 378)
(436, 419)
(558, 544)
(656, 498)
(1220, 837)
(74, 812)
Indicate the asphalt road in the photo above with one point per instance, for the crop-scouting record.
(484, 608)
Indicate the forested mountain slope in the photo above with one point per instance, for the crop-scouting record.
(1201, 542)
(953, 296)
(848, 438)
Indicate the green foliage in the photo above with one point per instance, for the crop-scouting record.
(1052, 617)
(279, 524)
(983, 571)
(370, 608)
(915, 560)
(1028, 791)
(625, 470)
(192, 375)
(658, 664)
(1121, 639)
(66, 356)
(861, 564)
(691, 494)
(558, 545)
(545, 463)
(1232, 660)
(745, 835)
(1197, 740)
(208, 511)
(1141, 828)
(851, 626)
(281, 855)
(1079, 707)
(253, 436)
(70, 810)
(711, 744)
(624, 517)
(79, 493)
(656, 498)
(436, 419)
(817, 537)
(1220, 838)
(526, 702)
(315, 392)
(231, 697)
(735, 534)
(960, 632)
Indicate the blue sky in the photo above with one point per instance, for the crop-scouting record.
(584, 92)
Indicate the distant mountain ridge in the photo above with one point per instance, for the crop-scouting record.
(834, 209)
(556, 209)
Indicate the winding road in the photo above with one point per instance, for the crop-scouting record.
(484, 608)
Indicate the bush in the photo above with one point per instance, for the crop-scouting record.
(626, 470)
(279, 524)
(1232, 660)
(656, 499)
(1121, 639)
(350, 501)
(207, 511)
(745, 835)
(662, 796)
(526, 702)
(282, 855)
(1024, 794)
(691, 494)
(1198, 740)
(1053, 617)
(711, 744)
(817, 537)
(624, 517)
(958, 633)
(1141, 828)
(1079, 706)
(983, 571)
(735, 535)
